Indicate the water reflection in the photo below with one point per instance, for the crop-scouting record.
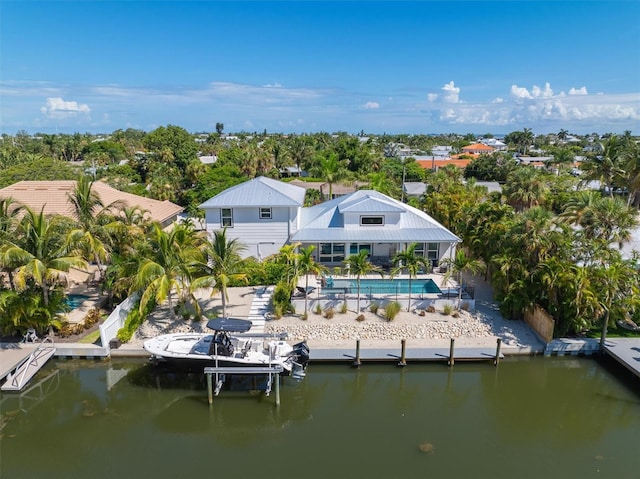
(543, 417)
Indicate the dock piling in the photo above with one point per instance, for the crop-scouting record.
(357, 362)
(498, 345)
(451, 348)
(403, 357)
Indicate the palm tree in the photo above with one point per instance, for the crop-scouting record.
(525, 188)
(308, 265)
(605, 167)
(411, 262)
(172, 255)
(222, 264)
(332, 170)
(359, 265)
(92, 235)
(459, 264)
(41, 253)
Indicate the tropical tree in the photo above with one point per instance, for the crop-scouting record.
(221, 265)
(307, 265)
(171, 258)
(41, 253)
(358, 266)
(331, 170)
(457, 266)
(605, 167)
(407, 260)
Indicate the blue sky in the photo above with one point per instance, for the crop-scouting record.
(294, 67)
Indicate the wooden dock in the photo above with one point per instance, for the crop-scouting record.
(626, 351)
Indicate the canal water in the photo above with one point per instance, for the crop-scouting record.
(527, 418)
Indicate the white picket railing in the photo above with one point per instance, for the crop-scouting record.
(109, 329)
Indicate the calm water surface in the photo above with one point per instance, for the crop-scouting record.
(533, 417)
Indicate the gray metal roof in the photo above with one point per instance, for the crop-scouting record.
(260, 191)
(325, 222)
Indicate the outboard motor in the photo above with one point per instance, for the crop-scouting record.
(301, 351)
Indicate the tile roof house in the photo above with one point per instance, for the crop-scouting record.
(265, 214)
(53, 196)
(478, 148)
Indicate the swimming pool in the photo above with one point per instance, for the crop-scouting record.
(75, 300)
(382, 286)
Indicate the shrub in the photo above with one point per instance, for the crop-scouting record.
(360, 317)
(305, 316)
(318, 309)
(447, 309)
(465, 306)
(282, 298)
(343, 308)
(431, 308)
(391, 311)
(374, 308)
(329, 312)
(277, 311)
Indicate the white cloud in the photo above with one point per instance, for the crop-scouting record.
(58, 108)
(498, 100)
(432, 97)
(520, 92)
(537, 92)
(371, 105)
(578, 91)
(451, 92)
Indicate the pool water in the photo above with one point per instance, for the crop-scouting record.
(75, 300)
(383, 286)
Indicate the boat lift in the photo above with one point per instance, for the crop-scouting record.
(23, 373)
(273, 372)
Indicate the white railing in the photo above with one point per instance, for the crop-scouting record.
(109, 329)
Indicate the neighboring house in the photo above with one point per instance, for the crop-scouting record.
(208, 159)
(337, 189)
(265, 214)
(435, 164)
(53, 196)
(478, 149)
(414, 188)
(494, 143)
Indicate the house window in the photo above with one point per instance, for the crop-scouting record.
(331, 252)
(371, 220)
(226, 217)
(433, 253)
(355, 248)
(265, 213)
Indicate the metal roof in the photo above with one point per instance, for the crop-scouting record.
(260, 191)
(325, 222)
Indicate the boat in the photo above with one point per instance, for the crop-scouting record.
(628, 325)
(229, 345)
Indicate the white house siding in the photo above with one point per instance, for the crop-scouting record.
(262, 237)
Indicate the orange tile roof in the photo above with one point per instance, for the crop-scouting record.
(53, 196)
(428, 164)
(478, 147)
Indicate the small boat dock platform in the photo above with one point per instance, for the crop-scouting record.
(18, 377)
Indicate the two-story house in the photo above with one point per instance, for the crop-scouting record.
(265, 214)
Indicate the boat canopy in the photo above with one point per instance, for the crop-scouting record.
(230, 325)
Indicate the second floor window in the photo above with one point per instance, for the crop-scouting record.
(265, 213)
(226, 217)
(371, 220)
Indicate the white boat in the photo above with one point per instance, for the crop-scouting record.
(229, 346)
